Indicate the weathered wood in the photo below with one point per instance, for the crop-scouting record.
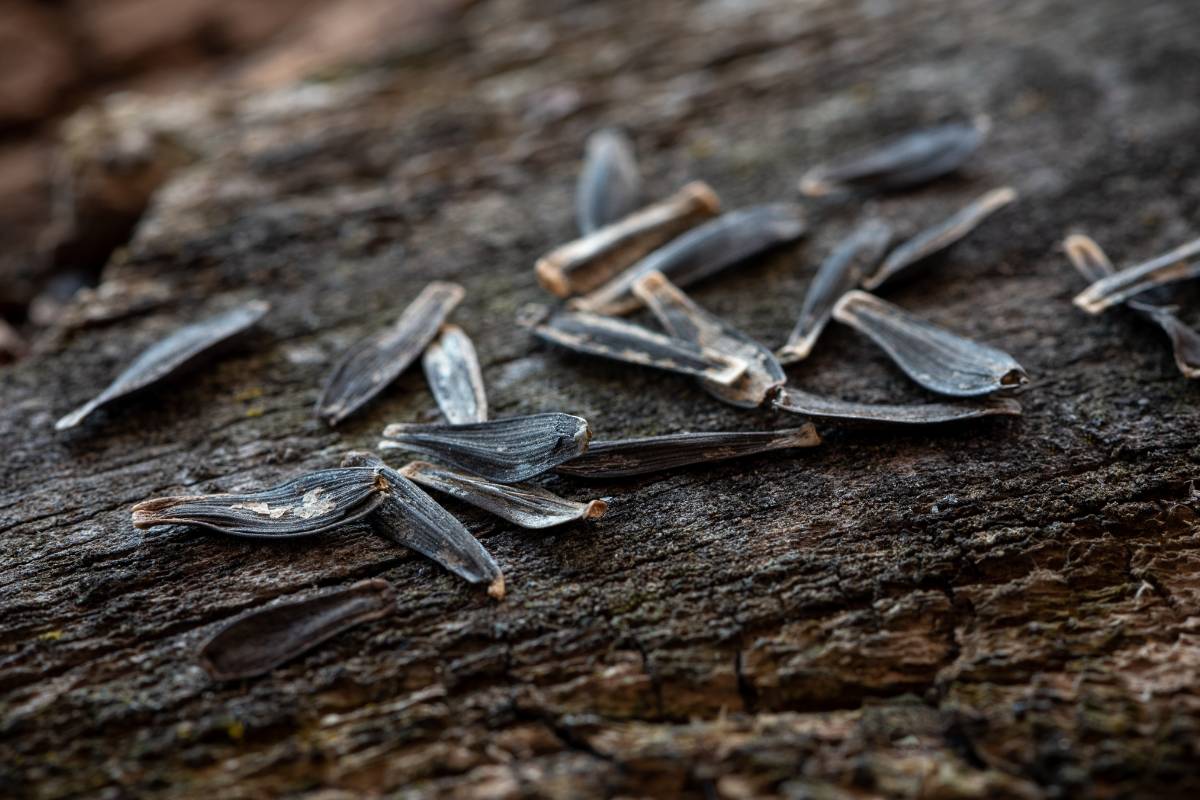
(1001, 608)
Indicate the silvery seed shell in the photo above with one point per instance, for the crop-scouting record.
(727, 240)
(902, 163)
(849, 262)
(256, 642)
(1176, 265)
(452, 370)
(376, 361)
(685, 320)
(941, 236)
(504, 450)
(170, 355)
(586, 263)
(522, 504)
(939, 360)
(624, 457)
(413, 519)
(609, 186)
(796, 401)
(623, 341)
(310, 504)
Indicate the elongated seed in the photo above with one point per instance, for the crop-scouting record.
(939, 360)
(410, 517)
(609, 186)
(623, 457)
(170, 355)
(849, 262)
(452, 370)
(907, 161)
(1176, 265)
(504, 450)
(1093, 264)
(797, 401)
(586, 263)
(523, 504)
(941, 236)
(727, 240)
(256, 642)
(310, 504)
(623, 341)
(685, 320)
(376, 361)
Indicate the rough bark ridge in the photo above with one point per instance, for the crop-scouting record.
(998, 609)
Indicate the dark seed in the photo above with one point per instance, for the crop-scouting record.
(452, 370)
(586, 263)
(701, 252)
(848, 264)
(410, 517)
(1115, 289)
(905, 162)
(379, 359)
(624, 457)
(609, 185)
(523, 504)
(314, 503)
(939, 360)
(262, 639)
(941, 236)
(170, 355)
(623, 341)
(797, 401)
(505, 450)
(685, 320)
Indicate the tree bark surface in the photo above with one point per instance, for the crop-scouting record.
(1007, 608)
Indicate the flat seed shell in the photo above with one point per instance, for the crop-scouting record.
(939, 360)
(310, 504)
(685, 320)
(1115, 289)
(609, 186)
(623, 341)
(797, 401)
(845, 267)
(624, 457)
(262, 639)
(523, 504)
(452, 370)
(504, 450)
(379, 359)
(941, 236)
(703, 251)
(170, 355)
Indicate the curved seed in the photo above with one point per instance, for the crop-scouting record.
(624, 457)
(523, 504)
(623, 341)
(586, 263)
(685, 320)
(504, 450)
(1088, 258)
(1120, 286)
(908, 161)
(941, 236)
(701, 252)
(260, 640)
(410, 517)
(797, 401)
(170, 355)
(311, 504)
(377, 360)
(452, 370)
(609, 185)
(839, 273)
(939, 360)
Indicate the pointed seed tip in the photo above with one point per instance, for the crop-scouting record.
(595, 509)
(496, 588)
